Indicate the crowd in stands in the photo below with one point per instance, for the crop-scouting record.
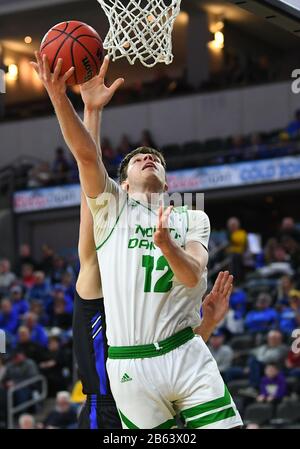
(253, 346)
(258, 146)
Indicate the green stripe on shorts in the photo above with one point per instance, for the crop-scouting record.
(207, 406)
(211, 418)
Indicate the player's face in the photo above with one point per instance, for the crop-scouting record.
(146, 169)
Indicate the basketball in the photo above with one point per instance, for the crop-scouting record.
(79, 45)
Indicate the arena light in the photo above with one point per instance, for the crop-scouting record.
(218, 42)
(28, 40)
(13, 72)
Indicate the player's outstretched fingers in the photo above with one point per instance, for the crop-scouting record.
(116, 85)
(35, 66)
(57, 69)
(218, 282)
(165, 217)
(228, 287)
(104, 68)
(68, 74)
(46, 68)
(224, 281)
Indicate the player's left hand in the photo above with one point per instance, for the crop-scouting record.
(95, 94)
(216, 304)
(162, 237)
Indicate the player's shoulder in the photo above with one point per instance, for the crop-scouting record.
(197, 215)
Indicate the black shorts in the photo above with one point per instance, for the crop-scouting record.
(99, 414)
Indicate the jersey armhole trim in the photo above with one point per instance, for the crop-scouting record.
(118, 218)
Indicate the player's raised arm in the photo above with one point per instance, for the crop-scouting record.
(77, 137)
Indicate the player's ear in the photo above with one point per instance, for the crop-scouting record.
(125, 186)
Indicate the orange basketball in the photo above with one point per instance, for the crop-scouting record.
(79, 45)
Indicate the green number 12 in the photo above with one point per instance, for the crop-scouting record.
(164, 283)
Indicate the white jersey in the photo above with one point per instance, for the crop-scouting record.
(144, 302)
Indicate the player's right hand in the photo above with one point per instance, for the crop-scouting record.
(95, 94)
(55, 83)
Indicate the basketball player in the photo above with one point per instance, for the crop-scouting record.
(153, 270)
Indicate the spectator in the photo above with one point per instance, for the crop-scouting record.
(237, 149)
(147, 139)
(273, 352)
(289, 317)
(284, 286)
(60, 167)
(288, 229)
(6, 276)
(40, 175)
(8, 317)
(73, 170)
(293, 128)
(32, 350)
(54, 367)
(273, 385)
(61, 317)
(221, 352)
(37, 332)
(125, 146)
(59, 268)
(280, 264)
(25, 256)
(27, 275)
(26, 422)
(257, 149)
(46, 264)
(40, 289)
(68, 285)
(39, 309)
(19, 303)
(18, 370)
(237, 247)
(64, 416)
(264, 318)
(292, 364)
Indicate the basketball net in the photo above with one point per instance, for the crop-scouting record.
(140, 29)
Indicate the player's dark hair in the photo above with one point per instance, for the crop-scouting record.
(141, 150)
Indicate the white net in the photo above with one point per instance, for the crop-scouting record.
(140, 29)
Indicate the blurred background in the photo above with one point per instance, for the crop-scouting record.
(227, 119)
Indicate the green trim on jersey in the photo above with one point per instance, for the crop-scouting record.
(151, 350)
(171, 423)
(118, 218)
(127, 421)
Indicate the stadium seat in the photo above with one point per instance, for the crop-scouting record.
(259, 413)
(242, 342)
(235, 386)
(289, 411)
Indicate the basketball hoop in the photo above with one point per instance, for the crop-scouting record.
(140, 29)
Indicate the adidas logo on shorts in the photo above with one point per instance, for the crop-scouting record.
(125, 378)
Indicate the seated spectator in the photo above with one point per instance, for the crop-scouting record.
(8, 317)
(274, 351)
(40, 289)
(61, 318)
(37, 332)
(236, 152)
(27, 275)
(25, 256)
(237, 247)
(147, 140)
(26, 422)
(7, 277)
(292, 364)
(19, 303)
(19, 369)
(32, 350)
(222, 353)
(54, 367)
(288, 229)
(64, 416)
(289, 317)
(40, 310)
(264, 318)
(292, 247)
(257, 149)
(60, 267)
(46, 264)
(293, 128)
(68, 285)
(285, 284)
(280, 264)
(40, 175)
(60, 167)
(272, 386)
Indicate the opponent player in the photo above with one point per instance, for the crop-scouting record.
(152, 278)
